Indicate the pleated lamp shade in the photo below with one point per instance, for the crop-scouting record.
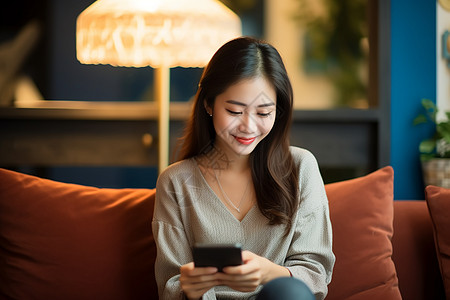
(156, 33)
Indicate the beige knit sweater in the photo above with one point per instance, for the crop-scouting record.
(187, 211)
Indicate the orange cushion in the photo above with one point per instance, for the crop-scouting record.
(67, 241)
(361, 212)
(438, 201)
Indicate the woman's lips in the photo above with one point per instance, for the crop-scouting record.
(244, 141)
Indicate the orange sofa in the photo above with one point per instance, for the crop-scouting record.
(67, 241)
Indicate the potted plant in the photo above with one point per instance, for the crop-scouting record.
(435, 151)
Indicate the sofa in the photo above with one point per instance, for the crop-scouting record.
(66, 241)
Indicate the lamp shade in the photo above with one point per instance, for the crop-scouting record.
(156, 33)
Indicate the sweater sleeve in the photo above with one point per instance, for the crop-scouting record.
(172, 241)
(310, 257)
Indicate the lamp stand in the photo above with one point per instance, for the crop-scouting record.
(162, 90)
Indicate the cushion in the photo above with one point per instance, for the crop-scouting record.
(361, 212)
(66, 241)
(438, 201)
(414, 252)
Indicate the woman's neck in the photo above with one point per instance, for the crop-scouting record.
(226, 160)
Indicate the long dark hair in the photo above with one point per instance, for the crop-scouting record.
(274, 174)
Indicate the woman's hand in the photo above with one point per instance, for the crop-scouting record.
(247, 277)
(197, 281)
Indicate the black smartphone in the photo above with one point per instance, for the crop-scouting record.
(217, 255)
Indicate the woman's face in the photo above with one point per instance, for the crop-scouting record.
(243, 115)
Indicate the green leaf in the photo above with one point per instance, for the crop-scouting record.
(446, 138)
(428, 104)
(420, 119)
(443, 130)
(427, 146)
(431, 109)
(444, 127)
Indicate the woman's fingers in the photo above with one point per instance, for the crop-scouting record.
(244, 278)
(200, 285)
(252, 264)
(197, 281)
(190, 270)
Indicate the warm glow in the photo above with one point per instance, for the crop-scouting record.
(156, 33)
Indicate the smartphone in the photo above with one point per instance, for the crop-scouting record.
(217, 255)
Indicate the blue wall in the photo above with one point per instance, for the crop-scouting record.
(413, 77)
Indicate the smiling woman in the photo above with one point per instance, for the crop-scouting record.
(239, 181)
(246, 120)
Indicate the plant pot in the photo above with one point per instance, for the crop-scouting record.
(436, 171)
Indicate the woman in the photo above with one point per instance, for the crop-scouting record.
(238, 181)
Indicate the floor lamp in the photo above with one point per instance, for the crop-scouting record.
(158, 33)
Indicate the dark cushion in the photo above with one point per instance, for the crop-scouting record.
(438, 201)
(414, 252)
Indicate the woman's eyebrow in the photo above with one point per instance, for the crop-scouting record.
(267, 104)
(236, 102)
(243, 104)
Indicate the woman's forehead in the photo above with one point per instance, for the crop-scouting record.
(254, 91)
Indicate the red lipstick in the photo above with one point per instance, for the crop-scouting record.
(245, 141)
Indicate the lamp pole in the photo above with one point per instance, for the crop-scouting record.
(162, 91)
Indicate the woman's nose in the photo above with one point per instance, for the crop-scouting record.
(248, 123)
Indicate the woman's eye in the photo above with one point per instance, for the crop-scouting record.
(264, 114)
(234, 112)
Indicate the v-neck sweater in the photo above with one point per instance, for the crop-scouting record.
(187, 211)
